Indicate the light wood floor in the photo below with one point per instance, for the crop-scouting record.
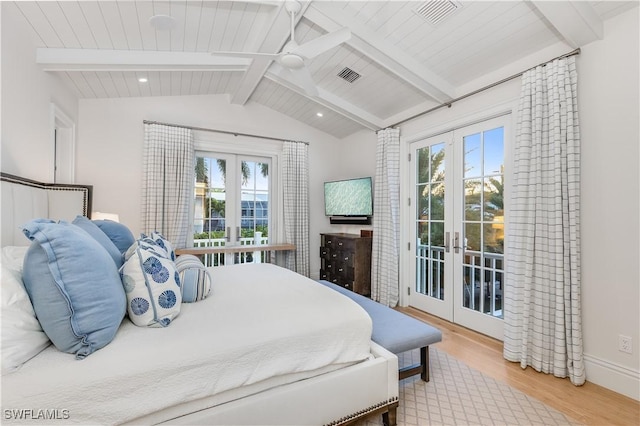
(589, 404)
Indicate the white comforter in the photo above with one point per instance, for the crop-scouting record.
(259, 322)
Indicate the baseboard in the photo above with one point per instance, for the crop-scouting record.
(615, 377)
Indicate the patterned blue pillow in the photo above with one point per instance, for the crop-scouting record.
(74, 287)
(152, 285)
(194, 278)
(161, 241)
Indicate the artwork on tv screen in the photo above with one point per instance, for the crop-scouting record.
(352, 197)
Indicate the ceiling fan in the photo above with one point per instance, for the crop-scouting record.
(292, 57)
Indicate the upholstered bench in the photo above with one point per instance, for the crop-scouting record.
(396, 331)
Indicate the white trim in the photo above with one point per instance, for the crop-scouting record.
(209, 142)
(503, 108)
(615, 377)
(484, 114)
(59, 119)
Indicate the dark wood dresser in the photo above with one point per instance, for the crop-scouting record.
(345, 260)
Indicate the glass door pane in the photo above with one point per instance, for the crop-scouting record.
(254, 205)
(210, 207)
(432, 267)
(483, 222)
(430, 189)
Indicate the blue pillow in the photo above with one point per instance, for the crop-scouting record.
(95, 232)
(195, 280)
(118, 233)
(74, 287)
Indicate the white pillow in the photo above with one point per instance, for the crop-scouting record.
(22, 335)
(152, 285)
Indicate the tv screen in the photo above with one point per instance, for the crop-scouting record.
(352, 197)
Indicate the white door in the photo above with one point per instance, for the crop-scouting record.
(232, 194)
(458, 225)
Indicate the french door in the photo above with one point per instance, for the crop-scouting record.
(231, 204)
(458, 225)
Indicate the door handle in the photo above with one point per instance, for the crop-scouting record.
(237, 233)
(446, 241)
(228, 236)
(456, 242)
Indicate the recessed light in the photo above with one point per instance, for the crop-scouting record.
(319, 114)
(142, 79)
(162, 22)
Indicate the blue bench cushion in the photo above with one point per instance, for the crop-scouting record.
(392, 330)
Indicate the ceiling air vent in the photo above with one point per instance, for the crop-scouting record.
(434, 11)
(348, 74)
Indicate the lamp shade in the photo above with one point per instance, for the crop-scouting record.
(105, 216)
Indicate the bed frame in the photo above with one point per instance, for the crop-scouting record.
(340, 397)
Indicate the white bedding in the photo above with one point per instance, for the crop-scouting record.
(261, 323)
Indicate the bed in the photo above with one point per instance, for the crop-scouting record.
(268, 346)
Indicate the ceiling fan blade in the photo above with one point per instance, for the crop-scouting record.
(303, 77)
(250, 55)
(323, 43)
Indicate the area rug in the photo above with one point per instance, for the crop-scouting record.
(460, 395)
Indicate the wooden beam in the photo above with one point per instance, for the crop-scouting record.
(60, 59)
(273, 40)
(327, 15)
(328, 100)
(577, 22)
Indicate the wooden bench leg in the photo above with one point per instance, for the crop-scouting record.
(424, 362)
(422, 368)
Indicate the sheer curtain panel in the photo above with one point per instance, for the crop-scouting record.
(295, 191)
(386, 210)
(167, 182)
(542, 318)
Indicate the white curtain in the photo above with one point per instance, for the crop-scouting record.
(167, 182)
(386, 209)
(295, 191)
(542, 318)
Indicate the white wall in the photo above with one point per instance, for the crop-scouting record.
(357, 158)
(608, 73)
(27, 93)
(111, 133)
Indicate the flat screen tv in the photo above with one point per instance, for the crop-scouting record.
(349, 201)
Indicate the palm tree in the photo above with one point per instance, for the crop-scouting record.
(244, 170)
(202, 172)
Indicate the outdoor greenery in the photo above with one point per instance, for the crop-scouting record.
(215, 208)
(244, 233)
(483, 209)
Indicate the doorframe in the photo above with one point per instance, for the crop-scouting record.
(406, 261)
(58, 119)
(208, 142)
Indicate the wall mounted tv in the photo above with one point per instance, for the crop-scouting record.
(349, 201)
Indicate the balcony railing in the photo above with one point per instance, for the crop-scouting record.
(218, 259)
(483, 276)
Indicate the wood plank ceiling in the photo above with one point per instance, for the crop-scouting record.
(406, 63)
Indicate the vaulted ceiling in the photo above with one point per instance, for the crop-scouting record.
(409, 55)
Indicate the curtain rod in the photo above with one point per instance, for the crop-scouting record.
(482, 89)
(222, 131)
